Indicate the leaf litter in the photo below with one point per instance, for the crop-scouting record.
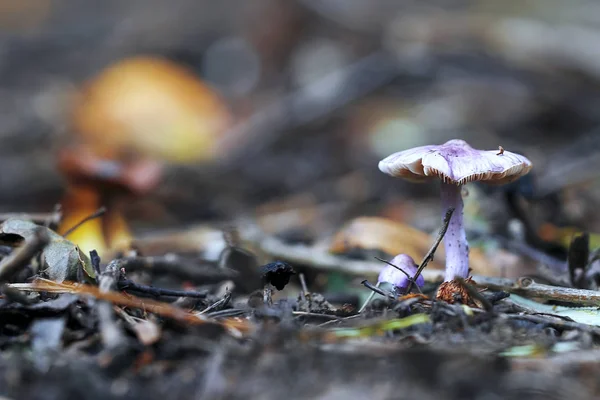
(59, 322)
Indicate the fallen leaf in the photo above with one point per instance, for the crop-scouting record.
(393, 238)
(61, 257)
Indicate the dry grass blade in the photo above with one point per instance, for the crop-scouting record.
(153, 306)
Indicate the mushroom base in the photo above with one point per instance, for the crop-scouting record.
(455, 240)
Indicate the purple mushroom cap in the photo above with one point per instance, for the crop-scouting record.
(391, 274)
(456, 163)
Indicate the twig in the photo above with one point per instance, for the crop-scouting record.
(95, 261)
(22, 256)
(338, 320)
(401, 270)
(15, 295)
(268, 295)
(475, 294)
(46, 219)
(111, 335)
(55, 218)
(395, 266)
(230, 312)
(304, 291)
(368, 300)
(528, 287)
(163, 309)
(375, 289)
(218, 305)
(98, 213)
(319, 257)
(557, 323)
(316, 315)
(430, 254)
(130, 286)
(171, 264)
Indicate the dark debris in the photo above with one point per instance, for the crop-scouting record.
(277, 273)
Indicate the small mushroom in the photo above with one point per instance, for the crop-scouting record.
(402, 269)
(455, 163)
(398, 273)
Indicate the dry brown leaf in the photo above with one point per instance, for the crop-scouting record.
(391, 237)
(375, 233)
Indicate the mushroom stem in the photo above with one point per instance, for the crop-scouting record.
(455, 241)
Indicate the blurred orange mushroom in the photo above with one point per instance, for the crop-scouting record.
(127, 122)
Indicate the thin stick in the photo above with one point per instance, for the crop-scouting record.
(218, 304)
(474, 293)
(315, 315)
(339, 320)
(366, 303)
(183, 268)
(131, 286)
(304, 291)
(268, 295)
(149, 305)
(55, 217)
(395, 266)
(529, 288)
(52, 218)
(432, 250)
(375, 288)
(15, 295)
(111, 335)
(98, 213)
(22, 256)
(556, 323)
(401, 270)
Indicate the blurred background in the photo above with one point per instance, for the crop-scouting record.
(196, 110)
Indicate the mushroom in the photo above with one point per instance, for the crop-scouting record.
(153, 107)
(399, 272)
(455, 163)
(135, 116)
